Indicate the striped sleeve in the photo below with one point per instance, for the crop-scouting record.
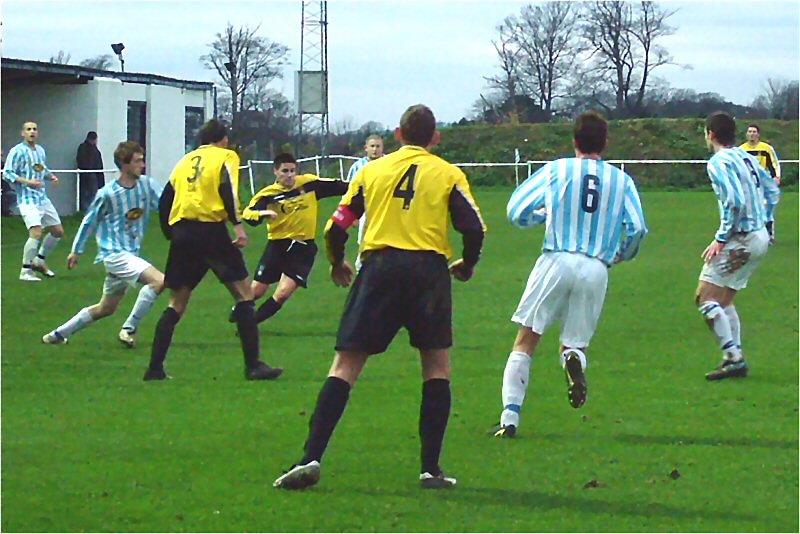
(89, 223)
(156, 189)
(633, 222)
(11, 170)
(47, 172)
(729, 193)
(354, 169)
(524, 206)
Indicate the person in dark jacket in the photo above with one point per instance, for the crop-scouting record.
(89, 158)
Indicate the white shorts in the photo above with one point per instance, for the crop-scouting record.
(43, 214)
(737, 262)
(123, 269)
(566, 287)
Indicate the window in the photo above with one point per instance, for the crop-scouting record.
(195, 116)
(137, 122)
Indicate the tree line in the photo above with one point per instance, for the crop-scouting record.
(557, 59)
(554, 60)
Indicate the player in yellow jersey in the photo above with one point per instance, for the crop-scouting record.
(768, 158)
(290, 206)
(201, 195)
(408, 197)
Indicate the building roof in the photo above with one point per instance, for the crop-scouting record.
(15, 72)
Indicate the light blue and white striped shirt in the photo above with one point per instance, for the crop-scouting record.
(746, 193)
(118, 216)
(356, 167)
(28, 163)
(587, 203)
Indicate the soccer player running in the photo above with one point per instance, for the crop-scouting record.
(118, 217)
(290, 206)
(767, 157)
(593, 219)
(26, 167)
(747, 197)
(373, 148)
(404, 282)
(201, 195)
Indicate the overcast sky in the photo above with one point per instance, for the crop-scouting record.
(385, 55)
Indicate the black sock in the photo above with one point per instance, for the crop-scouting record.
(433, 414)
(267, 310)
(163, 337)
(248, 330)
(331, 402)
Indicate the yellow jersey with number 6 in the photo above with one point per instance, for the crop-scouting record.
(197, 179)
(409, 197)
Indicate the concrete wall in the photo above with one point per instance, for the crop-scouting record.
(65, 113)
(165, 130)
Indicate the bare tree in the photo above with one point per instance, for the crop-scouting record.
(622, 37)
(102, 62)
(536, 50)
(779, 99)
(548, 43)
(61, 58)
(507, 52)
(343, 126)
(243, 60)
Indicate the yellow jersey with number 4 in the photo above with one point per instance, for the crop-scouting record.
(408, 197)
(197, 180)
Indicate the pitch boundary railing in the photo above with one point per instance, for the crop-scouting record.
(527, 165)
(341, 159)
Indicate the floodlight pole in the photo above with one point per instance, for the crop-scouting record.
(313, 61)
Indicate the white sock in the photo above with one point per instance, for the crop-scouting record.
(147, 297)
(721, 326)
(81, 320)
(515, 384)
(29, 252)
(48, 244)
(736, 326)
(581, 357)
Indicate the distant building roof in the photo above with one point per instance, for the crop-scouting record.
(23, 72)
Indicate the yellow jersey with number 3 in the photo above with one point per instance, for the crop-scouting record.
(197, 178)
(408, 197)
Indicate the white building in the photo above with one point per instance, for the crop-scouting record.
(67, 101)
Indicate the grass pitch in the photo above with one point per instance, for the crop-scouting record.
(86, 445)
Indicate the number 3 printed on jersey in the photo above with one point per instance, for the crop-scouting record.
(197, 171)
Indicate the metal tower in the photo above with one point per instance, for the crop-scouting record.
(311, 81)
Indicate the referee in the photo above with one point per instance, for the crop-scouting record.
(403, 282)
(202, 193)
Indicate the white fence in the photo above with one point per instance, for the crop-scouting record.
(527, 166)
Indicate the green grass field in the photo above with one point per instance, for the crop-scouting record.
(88, 446)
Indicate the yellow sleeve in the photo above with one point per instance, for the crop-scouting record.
(353, 189)
(776, 161)
(232, 166)
(251, 212)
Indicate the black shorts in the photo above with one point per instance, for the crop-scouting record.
(286, 256)
(195, 248)
(398, 288)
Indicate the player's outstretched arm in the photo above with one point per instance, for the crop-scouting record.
(526, 206)
(88, 226)
(633, 224)
(467, 220)
(164, 209)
